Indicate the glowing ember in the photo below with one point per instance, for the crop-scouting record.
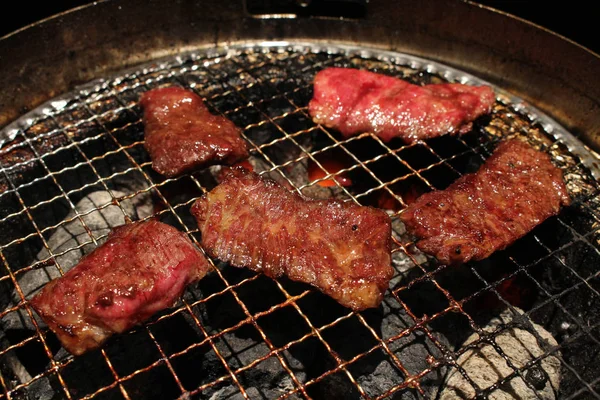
(517, 291)
(386, 201)
(332, 166)
(412, 193)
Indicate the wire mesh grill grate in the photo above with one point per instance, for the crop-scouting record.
(237, 334)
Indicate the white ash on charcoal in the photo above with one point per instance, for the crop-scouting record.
(376, 372)
(485, 366)
(401, 261)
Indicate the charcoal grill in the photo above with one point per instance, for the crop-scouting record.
(241, 335)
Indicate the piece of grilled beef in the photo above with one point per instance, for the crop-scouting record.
(341, 248)
(182, 135)
(516, 189)
(141, 269)
(355, 101)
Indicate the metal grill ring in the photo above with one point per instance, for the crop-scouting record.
(81, 156)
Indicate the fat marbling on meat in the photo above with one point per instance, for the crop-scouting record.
(341, 248)
(355, 101)
(141, 269)
(516, 189)
(182, 135)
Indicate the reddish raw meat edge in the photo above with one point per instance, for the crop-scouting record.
(354, 101)
(141, 269)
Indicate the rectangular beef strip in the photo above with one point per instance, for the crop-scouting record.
(181, 135)
(355, 101)
(341, 248)
(516, 189)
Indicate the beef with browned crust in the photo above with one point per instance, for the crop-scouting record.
(516, 189)
(181, 135)
(341, 248)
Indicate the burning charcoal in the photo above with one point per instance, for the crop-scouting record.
(560, 258)
(297, 173)
(70, 235)
(284, 153)
(485, 366)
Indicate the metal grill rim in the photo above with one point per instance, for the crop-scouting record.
(208, 63)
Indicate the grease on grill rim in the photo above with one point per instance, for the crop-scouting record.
(290, 341)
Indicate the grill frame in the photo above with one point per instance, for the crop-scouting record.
(204, 61)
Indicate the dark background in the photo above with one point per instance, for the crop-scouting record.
(576, 20)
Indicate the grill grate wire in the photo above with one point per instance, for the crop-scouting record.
(231, 78)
